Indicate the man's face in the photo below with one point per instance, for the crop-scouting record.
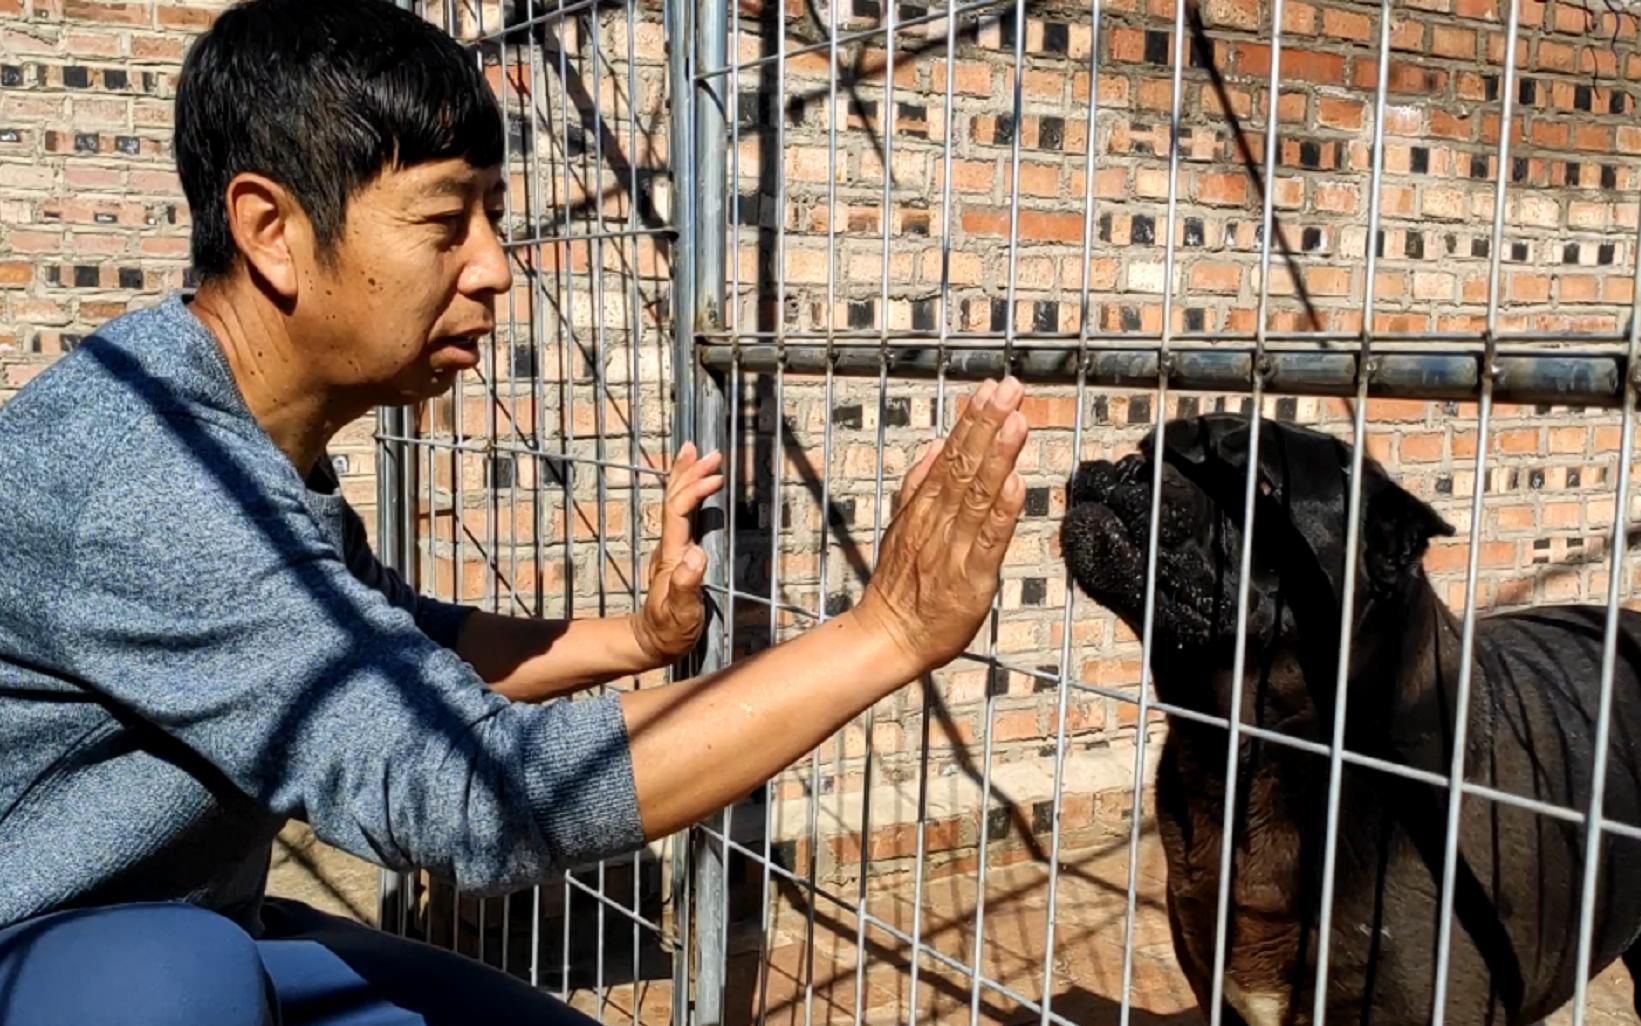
(411, 290)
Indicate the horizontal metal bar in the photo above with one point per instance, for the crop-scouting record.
(604, 236)
(1545, 378)
(852, 37)
(605, 899)
(762, 600)
(523, 26)
(1419, 342)
(490, 447)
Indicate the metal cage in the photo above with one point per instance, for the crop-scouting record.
(793, 232)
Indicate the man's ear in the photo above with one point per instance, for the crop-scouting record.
(270, 230)
(1396, 530)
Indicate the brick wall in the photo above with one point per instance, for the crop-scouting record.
(93, 223)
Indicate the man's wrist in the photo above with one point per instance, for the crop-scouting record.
(867, 635)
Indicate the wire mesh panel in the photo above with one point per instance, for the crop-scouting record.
(533, 489)
(1153, 213)
(844, 215)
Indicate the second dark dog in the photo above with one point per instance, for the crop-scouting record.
(1531, 731)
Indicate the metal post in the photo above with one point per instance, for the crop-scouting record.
(394, 547)
(701, 237)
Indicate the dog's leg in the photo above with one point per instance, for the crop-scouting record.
(1632, 962)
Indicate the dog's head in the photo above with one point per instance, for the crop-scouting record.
(1297, 561)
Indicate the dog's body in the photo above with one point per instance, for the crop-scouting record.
(1531, 726)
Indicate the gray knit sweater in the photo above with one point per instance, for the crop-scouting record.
(196, 645)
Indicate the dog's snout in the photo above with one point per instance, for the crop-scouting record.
(1095, 480)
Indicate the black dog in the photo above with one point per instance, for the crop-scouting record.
(1533, 700)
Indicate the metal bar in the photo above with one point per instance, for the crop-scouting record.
(859, 35)
(710, 141)
(393, 889)
(681, 39)
(1353, 531)
(1239, 657)
(1617, 548)
(606, 235)
(1440, 343)
(1142, 727)
(1467, 636)
(1536, 379)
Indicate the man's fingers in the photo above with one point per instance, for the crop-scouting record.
(966, 451)
(991, 541)
(920, 471)
(987, 485)
(690, 481)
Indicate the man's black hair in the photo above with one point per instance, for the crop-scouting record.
(321, 96)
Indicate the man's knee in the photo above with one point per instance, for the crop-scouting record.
(142, 964)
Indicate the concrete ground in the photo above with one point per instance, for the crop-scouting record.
(817, 982)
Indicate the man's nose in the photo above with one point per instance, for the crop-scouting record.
(487, 271)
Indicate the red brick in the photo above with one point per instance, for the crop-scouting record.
(1127, 44)
(1451, 41)
(1406, 34)
(1338, 112)
(1299, 18)
(1214, 276)
(1347, 25)
(1243, 14)
(1222, 188)
(1568, 440)
(1421, 448)
(108, 13)
(985, 220)
(1043, 226)
(1554, 56)
(16, 272)
(1314, 66)
(1517, 442)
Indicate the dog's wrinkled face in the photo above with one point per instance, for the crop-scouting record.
(1298, 555)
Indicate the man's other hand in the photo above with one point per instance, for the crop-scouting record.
(937, 572)
(674, 613)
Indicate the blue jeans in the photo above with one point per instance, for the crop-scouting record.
(180, 965)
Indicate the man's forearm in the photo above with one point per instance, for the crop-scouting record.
(701, 744)
(531, 660)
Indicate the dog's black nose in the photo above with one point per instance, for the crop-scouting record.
(1095, 480)
(1089, 481)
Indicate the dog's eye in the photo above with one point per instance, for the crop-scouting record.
(1266, 488)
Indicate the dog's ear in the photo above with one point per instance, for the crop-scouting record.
(1396, 530)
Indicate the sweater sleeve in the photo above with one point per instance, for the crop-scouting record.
(439, 620)
(203, 600)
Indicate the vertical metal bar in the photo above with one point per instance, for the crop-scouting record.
(595, 254)
(569, 348)
(710, 884)
(1018, 113)
(1467, 637)
(886, 217)
(492, 508)
(778, 461)
(1618, 546)
(1353, 531)
(635, 533)
(537, 402)
(392, 889)
(681, 66)
(1240, 655)
(927, 684)
(993, 672)
(1143, 725)
(1068, 617)
(826, 485)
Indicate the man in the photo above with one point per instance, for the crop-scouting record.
(197, 646)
